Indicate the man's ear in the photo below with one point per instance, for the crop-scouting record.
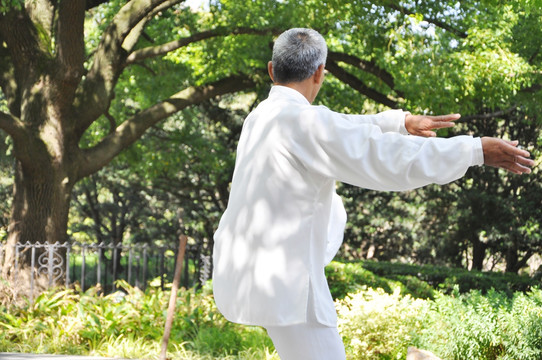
(270, 70)
(319, 74)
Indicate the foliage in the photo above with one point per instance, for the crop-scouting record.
(6, 5)
(374, 324)
(381, 225)
(128, 323)
(485, 327)
(420, 281)
(108, 207)
(446, 279)
(377, 325)
(345, 278)
(480, 58)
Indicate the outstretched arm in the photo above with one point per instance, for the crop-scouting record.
(497, 152)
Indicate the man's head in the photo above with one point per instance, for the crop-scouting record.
(297, 54)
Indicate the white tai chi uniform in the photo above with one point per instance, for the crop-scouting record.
(284, 221)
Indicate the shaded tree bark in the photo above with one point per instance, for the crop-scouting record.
(478, 253)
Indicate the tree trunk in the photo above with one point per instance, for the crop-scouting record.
(478, 253)
(39, 210)
(514, 261)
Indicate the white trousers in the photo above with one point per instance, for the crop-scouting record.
(311, 341)
(307, 341)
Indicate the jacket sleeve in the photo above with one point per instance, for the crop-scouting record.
(387, 121)
(363, 155)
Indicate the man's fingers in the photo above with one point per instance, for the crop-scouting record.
(524, 161)
(514, 143)
(512, 149)
(514, 166)
(519, 169)
(443, 121)
(441, 124)
(428, 133)
(520, 162)
(506, 155)
(448, 117)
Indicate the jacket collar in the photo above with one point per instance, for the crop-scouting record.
(289, 93)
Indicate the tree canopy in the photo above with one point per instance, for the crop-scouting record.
(113, 94)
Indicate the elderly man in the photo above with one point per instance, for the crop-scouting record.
(284, 221)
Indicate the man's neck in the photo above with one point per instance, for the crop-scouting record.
(304, 87)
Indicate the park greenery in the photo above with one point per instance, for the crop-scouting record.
(154, 94)
(119, 120)
(377, 321)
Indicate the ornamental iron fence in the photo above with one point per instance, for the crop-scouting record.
(40, 266)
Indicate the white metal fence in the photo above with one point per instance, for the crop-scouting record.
(90, 264)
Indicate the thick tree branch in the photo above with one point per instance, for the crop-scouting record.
(358, 85)
(134, 34)
(163, 49)
(131, 130)
(70, 42)
(368, 66)
(94, 97)
(490, 115)
(12, 126)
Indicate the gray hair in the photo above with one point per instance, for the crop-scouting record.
(297, 53)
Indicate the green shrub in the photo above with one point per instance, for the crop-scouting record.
(445, 278)
(377, 325)
(345, 278)
(128, 323)
(411, 285)
(490, 327)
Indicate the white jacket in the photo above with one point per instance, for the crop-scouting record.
(284, 221)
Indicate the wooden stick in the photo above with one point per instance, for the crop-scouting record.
(173, 297)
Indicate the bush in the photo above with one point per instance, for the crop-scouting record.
(345, 278)
(374, 324)
(490, 327)
(128, 323)
(445, 278)
(377, 325)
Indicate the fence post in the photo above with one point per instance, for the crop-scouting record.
(32, 266)
(130, 265)
(83, 251)
(99, 265)
(162, 259)
(114, 266)
(50, 263)
(144, 267)
(68, 249)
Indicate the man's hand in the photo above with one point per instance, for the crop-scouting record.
(423, 125)
(506, 155)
